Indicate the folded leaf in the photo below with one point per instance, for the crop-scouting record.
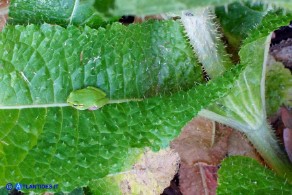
(244, 108)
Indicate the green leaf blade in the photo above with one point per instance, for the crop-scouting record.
(64, 13)
(238, 19)
(244, 175)
(77, 146)
(144, 7)
(95, 13)
(47, 63)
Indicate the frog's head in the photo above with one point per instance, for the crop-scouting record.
(88, 98)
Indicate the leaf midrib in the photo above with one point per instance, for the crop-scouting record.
(33, 106)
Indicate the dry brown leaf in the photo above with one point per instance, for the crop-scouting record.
(4, 5)
(287, 135)
(199, 143)
(238, 144)
(201, 146)
(151, 174)
(286, 116)
(198, 179)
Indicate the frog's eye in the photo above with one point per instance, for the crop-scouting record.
(78, 105)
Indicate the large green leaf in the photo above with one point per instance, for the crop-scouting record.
(61, 145)
(146, 7)
(42, 65)
(62, 12)
(98, 12)
(242, 175)
(71, 147)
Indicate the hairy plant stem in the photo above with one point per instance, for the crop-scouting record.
(266, 144)
(263, 140)
(205, 39)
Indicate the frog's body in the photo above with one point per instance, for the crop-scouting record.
(91, 98)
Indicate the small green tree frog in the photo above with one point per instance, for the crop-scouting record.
(91, 98)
